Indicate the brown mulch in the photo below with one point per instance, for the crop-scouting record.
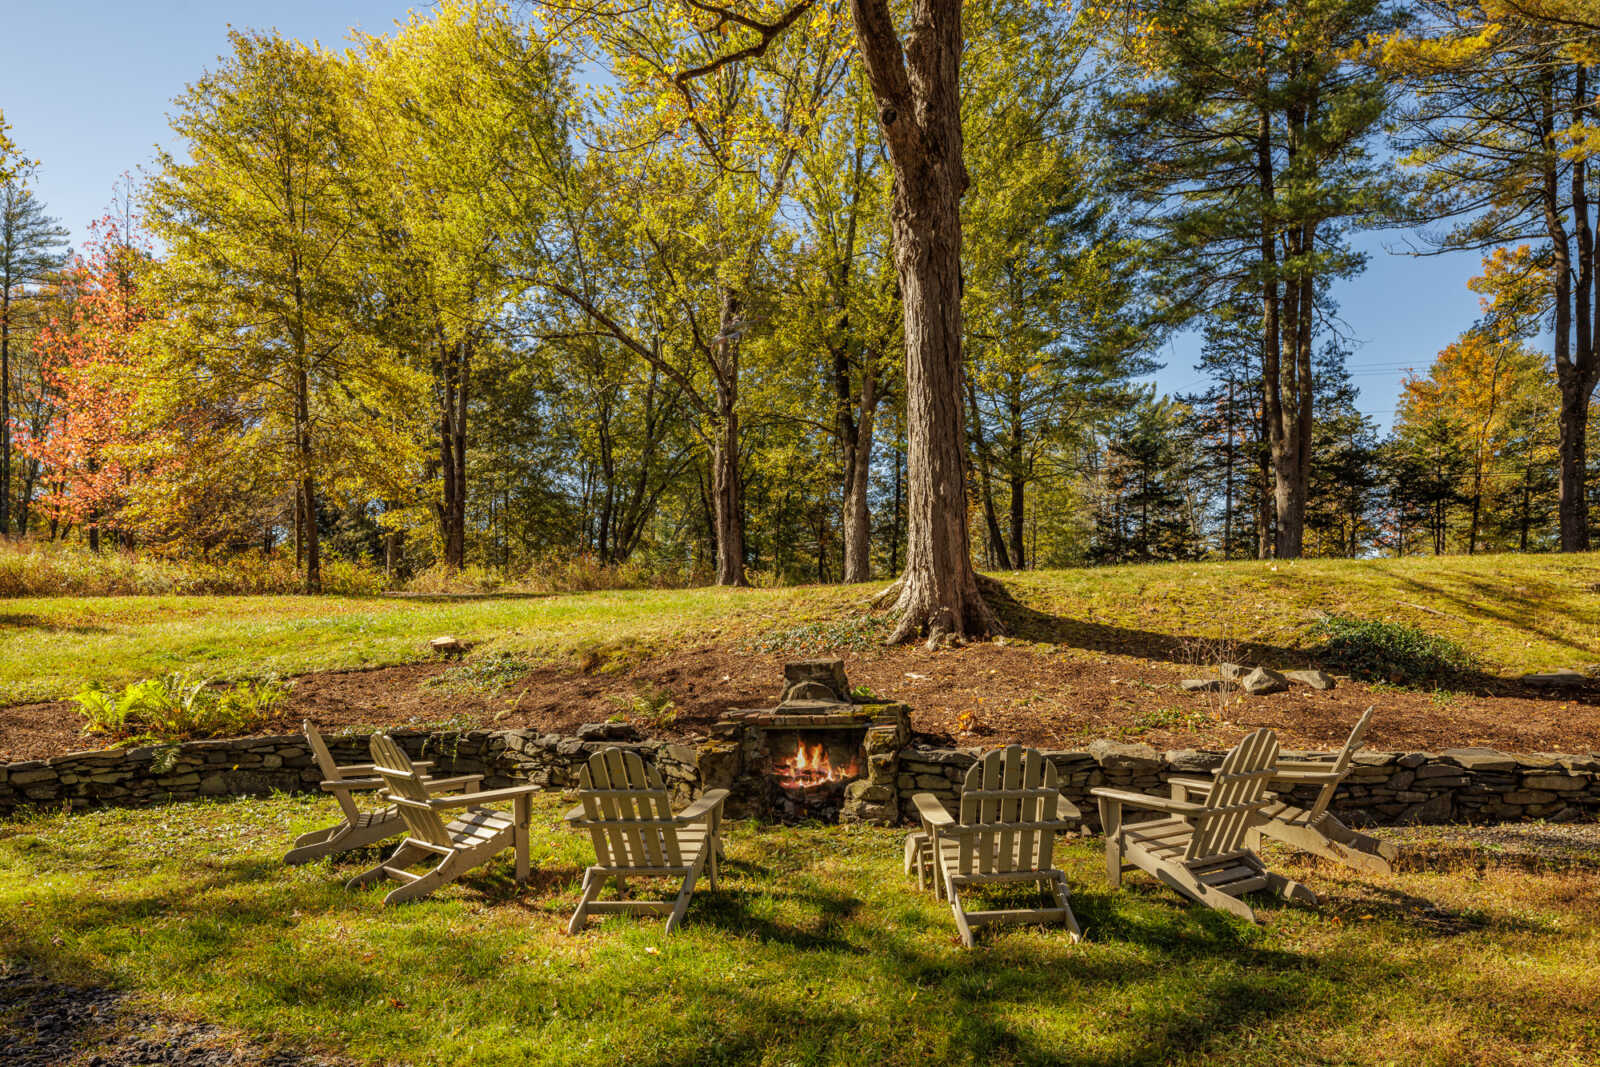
(979, 695)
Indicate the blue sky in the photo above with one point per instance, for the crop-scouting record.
(87, 88)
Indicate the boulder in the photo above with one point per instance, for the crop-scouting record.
(1207, 685)
(1194, 761)
(607, 731)
(1116, 756)
(1231, 671)
(1565, 678)
(1315, 679)
(1263, 680)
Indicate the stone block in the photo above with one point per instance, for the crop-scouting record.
(1117, 756)
(1313, 678)
(1262, 681)
(1480, 759)
(1530, 796)
(1193, 761)
(1559, 783)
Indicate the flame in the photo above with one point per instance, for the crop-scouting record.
(811, 766)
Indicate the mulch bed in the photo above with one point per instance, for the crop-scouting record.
(49, 1024)
(979, 695)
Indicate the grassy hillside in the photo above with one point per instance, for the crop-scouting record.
(1514, 612)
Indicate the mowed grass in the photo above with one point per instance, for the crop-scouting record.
(1514, 613)
(816, 950)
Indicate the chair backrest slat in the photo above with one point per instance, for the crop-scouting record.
(629, 812)
(1240, 782)
(330, 770)
(1008, 800)
(404, 783)
(1341, 764)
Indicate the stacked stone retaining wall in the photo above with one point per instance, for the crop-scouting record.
(1384, 788)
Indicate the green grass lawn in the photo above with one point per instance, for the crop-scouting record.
(1514, 612)
(816, 951)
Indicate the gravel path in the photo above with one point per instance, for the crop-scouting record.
(1534, 846)
(48, 1024)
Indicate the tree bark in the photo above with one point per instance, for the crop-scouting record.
(917, 92)
(998, 556)
(857, 436)
(1019, 484)
(455, 365)
(727, 487)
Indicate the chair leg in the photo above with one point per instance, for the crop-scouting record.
(956, 909)
(422, 887)
(1189, 886)
(1289, 889)
(1111, 826)
(313, 845)
(404, 856)
(592, 881)
(1058, 887)
(680, 907)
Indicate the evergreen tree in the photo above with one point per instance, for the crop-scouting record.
(32, 248)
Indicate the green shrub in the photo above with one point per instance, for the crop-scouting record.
(178, 706)
(647, 704)
(1391, 652)
(490, 673)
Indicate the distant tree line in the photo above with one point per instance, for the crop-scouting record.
(437, 301)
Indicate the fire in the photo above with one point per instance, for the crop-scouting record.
(811, 766)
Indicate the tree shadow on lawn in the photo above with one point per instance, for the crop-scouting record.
(1488, 594)
(1031, 624)
(1159, 977)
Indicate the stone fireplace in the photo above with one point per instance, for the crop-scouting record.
(819, 753)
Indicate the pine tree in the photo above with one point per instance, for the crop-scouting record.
(32, 247)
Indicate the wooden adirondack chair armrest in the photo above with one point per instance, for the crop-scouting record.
(1143, 800)
(1067, 810)
(371, 768)
(702, 808)
(440, 785)
(1306, 777)
(351, 785)
(488, 796)
(1196, 785)
(931, 811)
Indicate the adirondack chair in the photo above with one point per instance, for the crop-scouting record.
(468, 840)
(1010, 812)
(359, 828)
(624, 806)
(1312, 829)
(1201, 850)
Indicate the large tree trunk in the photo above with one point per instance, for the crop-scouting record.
(858, 468)
(1019, 485)
(919, 111)
(855, 419)
(455, 366)
(991, 521)
(727, 488)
